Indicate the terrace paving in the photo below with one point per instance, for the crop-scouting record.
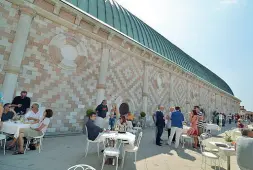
(60, 153)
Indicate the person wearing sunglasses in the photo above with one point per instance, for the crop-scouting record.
(8, 113)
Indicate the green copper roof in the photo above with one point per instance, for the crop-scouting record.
(121, 19)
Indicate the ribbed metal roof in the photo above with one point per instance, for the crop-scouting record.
(121, 19)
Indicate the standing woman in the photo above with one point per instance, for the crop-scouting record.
(193, 131)
(115, 111)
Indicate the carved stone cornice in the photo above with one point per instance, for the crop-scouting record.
(12, 69)
(78, 19)
(57, 9)
(27, 10)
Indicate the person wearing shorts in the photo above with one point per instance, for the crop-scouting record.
(34, 132)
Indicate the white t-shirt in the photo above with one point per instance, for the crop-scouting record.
(46, 122)
(37, 115)
(169, 121)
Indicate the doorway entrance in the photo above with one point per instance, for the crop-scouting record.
(123, 109)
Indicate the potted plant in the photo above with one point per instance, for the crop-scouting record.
(143, 114)
(143, 119)
(228, 138)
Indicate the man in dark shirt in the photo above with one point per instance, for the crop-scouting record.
(160, 123)
(93, 130)
(21, 103)
(102, 109)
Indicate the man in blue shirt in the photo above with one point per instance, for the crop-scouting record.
(160, 123)
(177, 119)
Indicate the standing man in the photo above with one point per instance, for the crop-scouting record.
(177, 119)
(168, 117)
(21, 103)
(102, 109)
(160, 122)
(200, 120)
(229, 118)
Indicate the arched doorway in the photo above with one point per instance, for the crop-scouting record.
(123, 109)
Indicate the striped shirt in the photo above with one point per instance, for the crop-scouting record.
(200, 122)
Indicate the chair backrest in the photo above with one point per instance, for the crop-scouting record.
(86, 130)
(201, 139)
(244, 152)
(139, 139)
(81, 167)
(129, 124)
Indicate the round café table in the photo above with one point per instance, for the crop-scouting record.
(13, 127)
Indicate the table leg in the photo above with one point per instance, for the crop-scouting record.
(228, 162)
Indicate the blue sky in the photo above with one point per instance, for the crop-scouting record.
(217, 33)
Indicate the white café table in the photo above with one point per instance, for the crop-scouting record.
(211, 127)
(226, 151)
(121, 136)
(13, 128)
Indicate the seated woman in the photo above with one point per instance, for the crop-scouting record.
(240, 124)
(193, 131)
(8, 113)
(121, 124)
(34, 132)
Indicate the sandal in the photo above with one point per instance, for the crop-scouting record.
(18, 153)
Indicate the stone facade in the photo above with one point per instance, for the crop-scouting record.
(70, 62)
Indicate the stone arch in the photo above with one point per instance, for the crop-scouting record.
(130, 103)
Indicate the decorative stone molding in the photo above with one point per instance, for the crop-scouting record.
(27, 10)
(100, 86)
(57, 9)
(12, 69)
(95, 29)
(68, 52)
(110, 36)
(78, 19)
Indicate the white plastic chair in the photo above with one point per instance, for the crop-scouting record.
(206, 154)
(132, 149)
(185, 137)
(81, 167)
(3, 138)
(112, 152)
(40, 138)
(130, 127)
(97, 140)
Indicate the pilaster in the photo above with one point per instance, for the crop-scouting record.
(17, 52)
(145, 88)
(103, 73)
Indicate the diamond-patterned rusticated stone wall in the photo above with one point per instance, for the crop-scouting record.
(124, 81)
(158, 88)
(8, 23)
(60, 70)
(66, 90)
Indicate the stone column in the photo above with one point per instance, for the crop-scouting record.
(171, 99)
(17, 52)
(103, 74)
(145, 88)
(188, 99)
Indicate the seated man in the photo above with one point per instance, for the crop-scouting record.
(244, 150)
(8, 113)
(93, 130)
(34, 132)
(33, 115)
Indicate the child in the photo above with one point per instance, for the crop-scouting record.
(112, 121)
